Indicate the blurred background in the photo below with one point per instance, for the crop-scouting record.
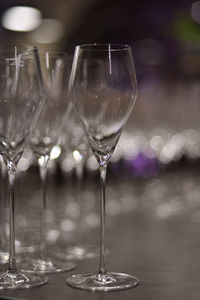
(156, 163)
(165, 37)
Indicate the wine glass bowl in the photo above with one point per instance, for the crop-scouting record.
(107, 93)
(103, 89)
(55, 73)
(21, 99)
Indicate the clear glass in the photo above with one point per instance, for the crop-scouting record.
(55, 70)
(3, 214)
(21, 100)
(103, 88)
(74, 142)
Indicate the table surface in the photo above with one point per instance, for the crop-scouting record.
(163, 253)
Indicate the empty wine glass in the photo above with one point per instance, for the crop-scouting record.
(74, 143)
(55, 71)
(103, 88)
(21, 99)
(3, 214)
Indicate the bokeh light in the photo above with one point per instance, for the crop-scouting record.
(49, 31)
(21, 18)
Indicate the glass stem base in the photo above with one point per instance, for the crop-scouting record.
(47, 266)
(103, 282)
(11, 281)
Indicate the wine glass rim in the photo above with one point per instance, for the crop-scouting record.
(103, 47)
(10, 51)
(11, 47)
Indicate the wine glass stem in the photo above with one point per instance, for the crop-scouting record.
(11, 181)
(43, 161)
(102, 169)
(78, 198)
(3, 203)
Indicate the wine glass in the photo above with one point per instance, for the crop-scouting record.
(74, 144)
(103, 88)
(55, 70)
(21, 99)
(3, 214)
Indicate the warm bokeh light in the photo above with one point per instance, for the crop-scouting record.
(49, 31)
(21, 18)
(55, 152)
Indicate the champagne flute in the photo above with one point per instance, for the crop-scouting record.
(74, 141)
(21, 99)
(103, 88)
(55, 70)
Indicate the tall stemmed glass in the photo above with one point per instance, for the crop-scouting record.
(21, 99)
(103, 88)
(74, 141)
(55, 71)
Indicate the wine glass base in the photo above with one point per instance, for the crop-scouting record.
(105, 282)
(48, 266)
(12, 281)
